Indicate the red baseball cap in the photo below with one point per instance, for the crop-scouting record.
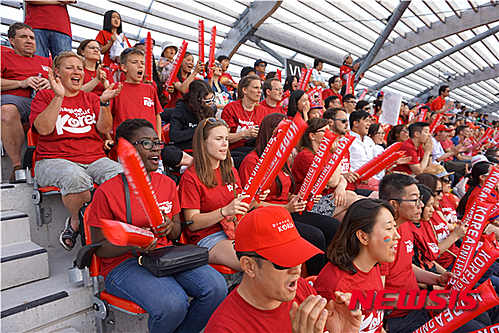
(270, 232)
(442, 128)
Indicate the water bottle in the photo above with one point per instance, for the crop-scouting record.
(33, 91)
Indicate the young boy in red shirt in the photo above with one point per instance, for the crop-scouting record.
(136, 99)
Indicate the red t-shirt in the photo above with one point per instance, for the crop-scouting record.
(196, 195)
(345, 167)
(415, 154)
(437, 104)
(344, 70)
(448, 206)
(491, 198)
(332, 279)
(48, 17)
(375, 116)
(103, 37)
(425, 241)
(99, 88)
(136, 100)
(447, 144)
(17, 67)
(248, 165)
(239, 119)
(75, 136)
(278, 108)
(441, 231)
(399, 274)
(225, 76)
(237, 315)
(300, 168)
(109, 203)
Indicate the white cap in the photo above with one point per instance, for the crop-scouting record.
(168, 44)
(477, 159)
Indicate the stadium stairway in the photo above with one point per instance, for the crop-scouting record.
(36, 293)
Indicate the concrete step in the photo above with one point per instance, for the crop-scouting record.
(55, 305)
(15, 227)
(22, 263)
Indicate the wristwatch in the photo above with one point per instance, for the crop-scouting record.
(104, 104)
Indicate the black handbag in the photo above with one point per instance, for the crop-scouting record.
(168, 260)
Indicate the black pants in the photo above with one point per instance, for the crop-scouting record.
(316, 237)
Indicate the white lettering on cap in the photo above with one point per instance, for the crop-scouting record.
(283, 225)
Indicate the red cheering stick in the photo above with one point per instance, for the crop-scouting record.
(361, 97)
(483, 139)
(372, 163)
(482, 261)
(317, 163)
(305, 81)
(141, 187)
(124, 234)
(422, 115)
(291, 138)
(201, 44)
(435, 122)
(321, 102)
(494, 211)
(329, 169)
(349, 83)
(278, 74)
(211, 58)
(149, 58)
(263, 163)
(285, 95)
(176, 66)
(452, 318)
(310, 95)
(385, 163)
(302, 78)
(479, 216)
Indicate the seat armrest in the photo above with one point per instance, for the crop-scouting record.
(27, 161)
(84, 256)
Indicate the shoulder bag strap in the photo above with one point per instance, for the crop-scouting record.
(127, 199)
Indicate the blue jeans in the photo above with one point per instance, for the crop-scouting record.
(166, 298)
(54, 41)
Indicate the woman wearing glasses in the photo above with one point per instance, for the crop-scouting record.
(210, 192)
(366, 237)
(307, 148)
(446, 234)
(166, 299)
(196, 105)
(69, 150)
(96, 79)
(222, 95)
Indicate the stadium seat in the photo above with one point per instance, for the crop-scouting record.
(43, 214)
(103, 301)
(311, 279)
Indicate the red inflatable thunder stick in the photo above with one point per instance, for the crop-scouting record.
(176, 65)
(422, 115)
(201, 44)
(278, 74)
(483, 140)
(452, 318)
(361, 97)
(137, 178)
(482, 261)
(211, 57)
(264, 162)
(386, 163)
(330, 167)
(476, 219)
(291, 138)
(494, 328)
(124, 234)
(378, 159)
(435, 122)
(149, 58)
(303, 73)
(320, 158)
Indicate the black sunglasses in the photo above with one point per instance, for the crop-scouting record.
(280, 268)
(214, 121)
(343, 120)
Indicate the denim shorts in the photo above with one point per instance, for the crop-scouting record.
(212, 240)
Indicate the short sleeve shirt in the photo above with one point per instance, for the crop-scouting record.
(415, 154)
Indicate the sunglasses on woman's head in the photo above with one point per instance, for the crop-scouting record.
(214, 121)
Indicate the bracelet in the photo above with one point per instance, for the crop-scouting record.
(221, 212)
(438, 280)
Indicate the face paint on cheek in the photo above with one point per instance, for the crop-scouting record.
(386, 239)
